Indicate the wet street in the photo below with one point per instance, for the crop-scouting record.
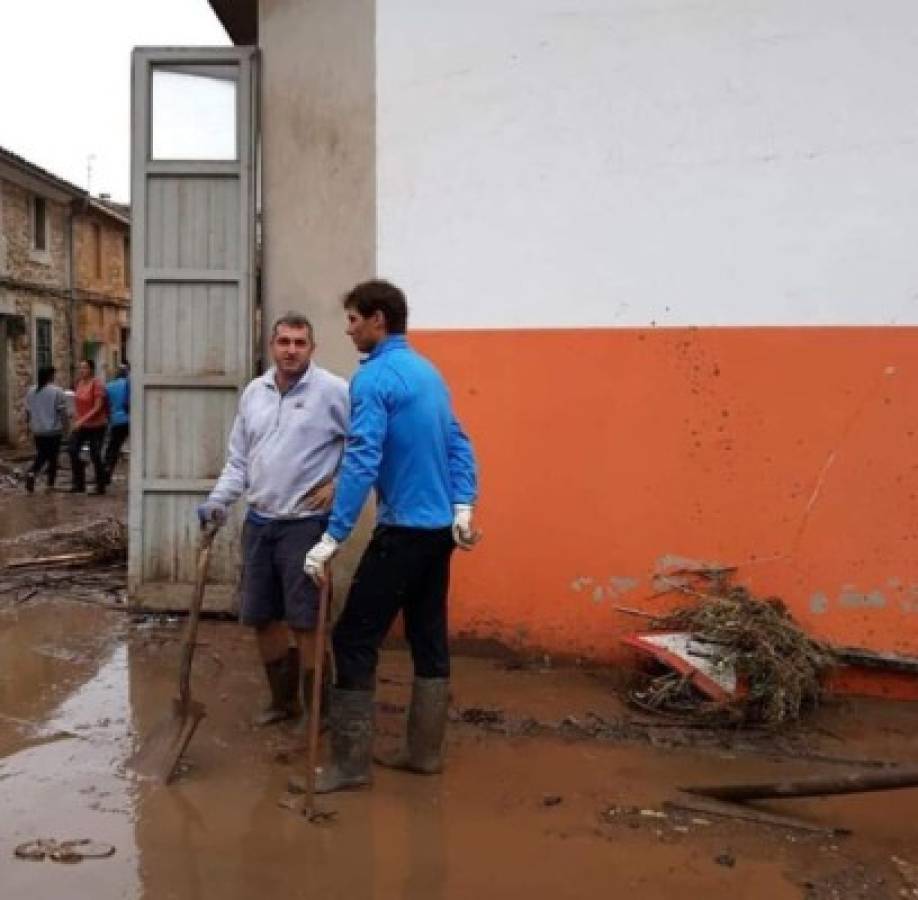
(534, 802)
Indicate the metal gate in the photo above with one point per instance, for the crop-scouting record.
(193, 281)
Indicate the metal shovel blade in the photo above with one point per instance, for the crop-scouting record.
(161, 750)
(164, 746)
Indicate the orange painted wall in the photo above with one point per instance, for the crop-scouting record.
(604, 454)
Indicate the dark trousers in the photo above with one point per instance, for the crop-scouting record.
(117, 435)
(47, 448)
(94, 437)
(403, 569)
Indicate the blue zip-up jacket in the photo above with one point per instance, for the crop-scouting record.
(119, 401)
(405, 441)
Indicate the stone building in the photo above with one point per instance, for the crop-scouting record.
(102, 283)
(53, 312)
(35, 283)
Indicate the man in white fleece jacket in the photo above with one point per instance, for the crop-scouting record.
(284, 449)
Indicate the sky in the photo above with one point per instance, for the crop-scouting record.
(65, 79)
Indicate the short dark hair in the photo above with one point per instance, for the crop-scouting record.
(293, 320)
(382, 296)
(45, 375)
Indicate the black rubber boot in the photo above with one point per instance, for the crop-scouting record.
(283, 679)
(350, 766)
(423, 749)
(79, 478)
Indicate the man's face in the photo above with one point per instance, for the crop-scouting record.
(291, 350)
(367, 332)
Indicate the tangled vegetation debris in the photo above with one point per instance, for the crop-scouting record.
(95, 542)
(779, 667)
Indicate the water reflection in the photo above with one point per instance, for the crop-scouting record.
(70, 789)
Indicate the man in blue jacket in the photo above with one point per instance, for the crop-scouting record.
(405, 441)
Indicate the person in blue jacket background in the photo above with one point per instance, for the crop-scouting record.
(405, 442)
(119, 420)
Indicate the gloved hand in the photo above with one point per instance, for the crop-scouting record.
(463, 533)
(316, 561)
(211, 513)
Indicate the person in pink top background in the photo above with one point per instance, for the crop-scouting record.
(88, 427)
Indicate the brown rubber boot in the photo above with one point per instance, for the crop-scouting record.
(351, 723)
(283, 679)
(423, 749)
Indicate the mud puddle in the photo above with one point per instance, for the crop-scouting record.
(512, 817)
(21, 512)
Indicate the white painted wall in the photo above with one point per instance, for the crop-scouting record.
(621, 162)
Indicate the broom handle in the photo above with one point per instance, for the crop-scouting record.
(194, 614)
(315, 710)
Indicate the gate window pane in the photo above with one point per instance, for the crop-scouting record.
(193, 113)
(43, 356)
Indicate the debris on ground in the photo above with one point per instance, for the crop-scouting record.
(476, 715)
(687, 802)
(103, 540)
(83, 562)
(101, 587)
(725, 859)
(778, 668)
(909, 874)
(854, 882)
(73, 851)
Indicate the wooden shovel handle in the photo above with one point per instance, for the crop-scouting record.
(315, 709)
(194, 613)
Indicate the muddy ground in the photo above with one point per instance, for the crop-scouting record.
(554, 787)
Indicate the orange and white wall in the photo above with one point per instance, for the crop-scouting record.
(665, 254)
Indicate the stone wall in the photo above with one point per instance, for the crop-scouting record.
(102, 290)
(47, 275)
(102, 272)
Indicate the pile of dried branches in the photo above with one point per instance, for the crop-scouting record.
(86, 543)
(779, 667)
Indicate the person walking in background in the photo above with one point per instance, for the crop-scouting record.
(46, 417)
(88, 427)
(119, 423)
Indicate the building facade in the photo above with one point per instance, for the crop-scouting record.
(35, 279)
(54, 311)
(663, 254)
(102, 284)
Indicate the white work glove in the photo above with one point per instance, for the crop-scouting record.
(317, 558)
(463, 534)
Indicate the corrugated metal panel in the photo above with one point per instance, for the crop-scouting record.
(193, 329)
(193, 442)
(193, 223)
(193, 247)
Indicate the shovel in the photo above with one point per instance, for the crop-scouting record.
(160, 752)
(307, 805)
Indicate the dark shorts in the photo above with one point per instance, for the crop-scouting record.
(274, 586)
